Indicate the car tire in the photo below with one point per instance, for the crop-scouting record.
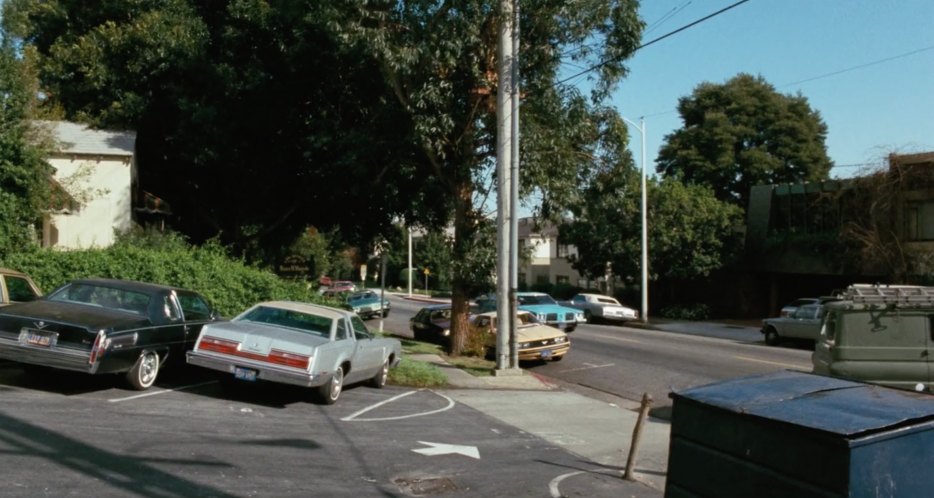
(331, 390)
(144, 372)
(379, 380)
(385, 313)
(588, 316)
(557, 358)
(771, 336)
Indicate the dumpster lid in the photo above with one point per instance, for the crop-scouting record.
(823, 403)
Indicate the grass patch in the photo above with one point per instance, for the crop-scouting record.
(476, 366)
(417, 347)
(417, 374)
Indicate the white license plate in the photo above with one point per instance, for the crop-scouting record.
(546, 353)
(35, 339)
(245, 374)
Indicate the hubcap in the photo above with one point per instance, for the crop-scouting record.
(148, 369)
(336, 383)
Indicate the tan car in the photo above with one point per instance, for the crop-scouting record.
(536, 341)
(17, 287)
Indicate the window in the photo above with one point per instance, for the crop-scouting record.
(563, 250)
(359, 329)
(194, 307)
(19, 289)
(562, 279)
(342, 330)
(919, 221)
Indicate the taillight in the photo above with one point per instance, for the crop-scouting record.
(289, 359)
(218, 345)
(100, 345)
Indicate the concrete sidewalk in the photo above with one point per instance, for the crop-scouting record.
(600, 432)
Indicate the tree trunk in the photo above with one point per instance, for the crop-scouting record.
(460, 299)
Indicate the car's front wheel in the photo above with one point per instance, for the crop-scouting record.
(144, 372)
(771, 336)
(331, 390)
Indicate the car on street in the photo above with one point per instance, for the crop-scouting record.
(342, 286)
(432, 323)
(543, 306)
(599, 307)
(534, 340)
(299, 344)
(105, 326)
(17, 287)
(803, 323)
(368, 304)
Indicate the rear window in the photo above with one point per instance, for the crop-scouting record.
(305, 322)
(104, 297)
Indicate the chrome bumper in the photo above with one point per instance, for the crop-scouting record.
(264, 371)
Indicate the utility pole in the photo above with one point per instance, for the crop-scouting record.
(514, 194)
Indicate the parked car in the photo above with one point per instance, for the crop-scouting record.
(300, 344)
(600, 307)
(17, 287)
(342, 286)
(881, 334)
(534, 340)
(789, 309)
(366, 304)
(545, 309)
(804, 323)
(432, 323)
(103, 326)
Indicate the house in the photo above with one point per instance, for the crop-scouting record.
(547, 261)
(93, 186)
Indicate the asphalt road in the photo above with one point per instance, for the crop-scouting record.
(65, 434)
(627, 362)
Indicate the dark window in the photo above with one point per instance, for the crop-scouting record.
(919, 221)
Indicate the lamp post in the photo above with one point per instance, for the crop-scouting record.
(645, 244)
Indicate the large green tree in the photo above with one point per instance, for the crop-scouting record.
(744, 133)
(254, 119)
(24, 175)
(440, 59)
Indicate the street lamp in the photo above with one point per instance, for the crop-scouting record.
(645, 232)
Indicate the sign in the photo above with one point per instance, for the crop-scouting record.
(426, 272)
(363, 272)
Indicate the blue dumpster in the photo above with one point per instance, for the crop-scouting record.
(794, 434)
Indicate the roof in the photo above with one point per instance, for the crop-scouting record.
(77, 138)
(326, 311)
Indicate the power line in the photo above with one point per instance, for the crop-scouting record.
(853, 68)
(660, 38)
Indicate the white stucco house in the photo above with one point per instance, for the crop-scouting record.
(548, 260)
(95, 176)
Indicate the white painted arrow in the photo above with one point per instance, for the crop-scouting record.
(447, 449)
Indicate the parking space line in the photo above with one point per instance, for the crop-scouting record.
(786, 365)
(354, 417)
(588, 367)
(144, 395)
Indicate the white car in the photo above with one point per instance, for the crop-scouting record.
(598, 307)
(300, 344)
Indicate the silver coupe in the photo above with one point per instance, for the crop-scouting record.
(300, 344)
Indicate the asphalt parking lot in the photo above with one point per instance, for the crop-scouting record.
(65, 434)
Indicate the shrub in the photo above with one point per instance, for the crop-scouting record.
(167, 259)
(698, 311)
(417, 374)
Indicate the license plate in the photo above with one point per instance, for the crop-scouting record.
(34, 339)
(245, 374)
(546, 353)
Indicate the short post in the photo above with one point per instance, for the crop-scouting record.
(636, 436)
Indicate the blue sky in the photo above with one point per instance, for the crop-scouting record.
(881, 100)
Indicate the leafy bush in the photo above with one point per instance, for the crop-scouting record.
(698, 311)
(167, 259)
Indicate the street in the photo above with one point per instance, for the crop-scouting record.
(628, 361)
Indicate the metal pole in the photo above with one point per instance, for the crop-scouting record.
(645, 231)
(514, 195)
(409, 268)
(645, 239)
(503, 161)
(382, 290)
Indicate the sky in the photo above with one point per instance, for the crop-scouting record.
(867, 66)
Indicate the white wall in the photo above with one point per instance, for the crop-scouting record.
(105, 196)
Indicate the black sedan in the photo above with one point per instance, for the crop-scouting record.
(432, 323)
(102, 326)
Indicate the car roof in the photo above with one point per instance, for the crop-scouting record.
(436, 306)
(492, 314)
(326, 311)
(7, 271)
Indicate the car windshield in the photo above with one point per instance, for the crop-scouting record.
(104, 297)
(441, 314)
(296, 320)
(536, 299)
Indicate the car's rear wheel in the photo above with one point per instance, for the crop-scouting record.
(330, 391)
(144, 372)
(771, 336)
(379, 380)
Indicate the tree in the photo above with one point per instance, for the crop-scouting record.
(744, 133)
(24, 174)
(440, 60)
